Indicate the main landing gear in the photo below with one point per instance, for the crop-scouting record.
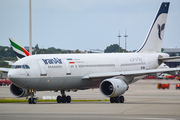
(32, 100)
(63, 98)
(118, 99)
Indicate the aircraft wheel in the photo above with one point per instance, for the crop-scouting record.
(64, 99)
(34, 101)
(68, 98)
(59, 99)
(29, 101)
(121, 99)
(112, 99)
(117, 99)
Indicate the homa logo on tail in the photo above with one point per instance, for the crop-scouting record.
(160, 28)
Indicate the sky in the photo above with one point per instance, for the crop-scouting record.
(85, 24)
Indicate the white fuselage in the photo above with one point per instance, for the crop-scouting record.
(65, 71)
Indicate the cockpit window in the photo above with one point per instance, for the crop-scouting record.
(23, 66)
(13, 67)
(27, 67)
(17, 66)
(20, 66)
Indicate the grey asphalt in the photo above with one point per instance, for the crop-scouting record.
(143, 101)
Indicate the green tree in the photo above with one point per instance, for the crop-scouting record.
(37, 47)
(77, 51)
(112, 48)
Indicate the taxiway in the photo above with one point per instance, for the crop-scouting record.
(142, 101)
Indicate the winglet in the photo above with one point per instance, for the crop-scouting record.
(18, 49)
(154, 39)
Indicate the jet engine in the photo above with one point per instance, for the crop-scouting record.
(113, 87)
(19, 92)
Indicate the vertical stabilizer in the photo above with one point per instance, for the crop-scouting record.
(154, 39)
(18, 49)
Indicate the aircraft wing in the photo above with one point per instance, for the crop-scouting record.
(128, 73)
(4, 69)
(10, 62)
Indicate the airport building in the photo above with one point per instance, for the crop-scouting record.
(172, 52)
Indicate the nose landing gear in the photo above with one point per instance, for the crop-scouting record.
(63, 98)
(32, 100)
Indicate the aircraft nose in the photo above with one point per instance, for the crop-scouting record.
(9, 74)
(19, 78)
(13, 76)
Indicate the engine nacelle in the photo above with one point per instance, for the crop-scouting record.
(19, 92)
(113, 87)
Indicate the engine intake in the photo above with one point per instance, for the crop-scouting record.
(113, 87)
(19, 92)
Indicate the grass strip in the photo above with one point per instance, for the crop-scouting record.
(10, 100)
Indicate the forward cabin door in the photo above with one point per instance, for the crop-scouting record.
(68, 69)
(42, 67)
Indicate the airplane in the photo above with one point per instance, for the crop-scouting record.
(112, 73)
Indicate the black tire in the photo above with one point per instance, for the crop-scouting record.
(68, 98)
(117, 99)
(64, 99)
(34, 101)
(29, 101)
(59, 99)
(112, 100)
(121, 99)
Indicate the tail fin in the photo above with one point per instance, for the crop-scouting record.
(18, 49)
(154, 39)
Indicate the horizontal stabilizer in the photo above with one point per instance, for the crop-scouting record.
(168, 58)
